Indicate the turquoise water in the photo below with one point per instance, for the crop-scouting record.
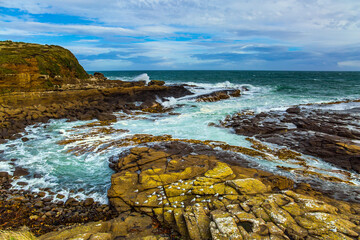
(62, 170)
(301, 85)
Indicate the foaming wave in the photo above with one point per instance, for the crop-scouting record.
(171, 102)
(142, 77)
(199, 89)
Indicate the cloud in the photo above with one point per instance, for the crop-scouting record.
(349, 64)
(192, 33)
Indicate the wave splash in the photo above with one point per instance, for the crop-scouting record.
(142, 77)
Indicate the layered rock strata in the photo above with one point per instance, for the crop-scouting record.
(331, 135)
(18, 110)
(28, 66)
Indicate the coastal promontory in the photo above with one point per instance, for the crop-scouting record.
(29, 66)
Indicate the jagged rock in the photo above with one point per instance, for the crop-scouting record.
(131, 226)
(100, 76)
(156, 82)
(19, 171)
(219, 95)
(331, 135)
(201, 197)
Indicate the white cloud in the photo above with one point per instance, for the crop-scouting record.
(88, 41)
(355, 64)
(312, 20)
(227, 26)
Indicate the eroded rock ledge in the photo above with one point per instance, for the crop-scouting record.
(331, 135)
(17, 110)
(198, 194)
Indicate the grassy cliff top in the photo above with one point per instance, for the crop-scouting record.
(20, 57)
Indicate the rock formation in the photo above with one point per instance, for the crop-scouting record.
(27, 67)
(196, 195)
(331, 135)
(40, 82)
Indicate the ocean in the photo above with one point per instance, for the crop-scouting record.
(89, 175)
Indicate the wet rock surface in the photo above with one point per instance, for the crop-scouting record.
(42, 212)
(219, 95)
(18, 110)
(331, 135)
(197, 194)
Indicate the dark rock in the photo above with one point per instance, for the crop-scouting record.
(156, 82)
(100, 76)
(37, 175)
(71, 202)
(41, 194)
(47, 199)
(4, 175)
(19, 171)
(294, 110)
(105, 117)
(47, 208)
(317, 132)
(25, 139)
(22, 183)
(60, 196)
(88, 202)
(39, 204)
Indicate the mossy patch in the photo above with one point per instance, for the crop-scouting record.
(18, 58)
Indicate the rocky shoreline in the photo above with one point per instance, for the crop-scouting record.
(18, 110)
(316, 130)
(202, 191)
(194, 195)
(168, 188)
(46, 211)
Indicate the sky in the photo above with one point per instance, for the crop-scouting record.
(192, 34)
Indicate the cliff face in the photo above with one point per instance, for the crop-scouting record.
(27, 67)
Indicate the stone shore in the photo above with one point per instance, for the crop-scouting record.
(331, 135)
(45, 211)
(19, 109)
(195, 192)
(185, 189)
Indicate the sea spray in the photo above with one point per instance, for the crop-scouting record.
(62, 171)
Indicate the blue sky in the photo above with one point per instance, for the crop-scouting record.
(192, 34)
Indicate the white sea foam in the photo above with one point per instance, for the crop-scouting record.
(63, 171)
(170, 102)
(142, 77)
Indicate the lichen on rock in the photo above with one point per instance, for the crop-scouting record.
(202, 197)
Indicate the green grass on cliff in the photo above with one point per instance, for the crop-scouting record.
(47, 59)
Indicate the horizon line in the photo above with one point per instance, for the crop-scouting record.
(213, 70)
